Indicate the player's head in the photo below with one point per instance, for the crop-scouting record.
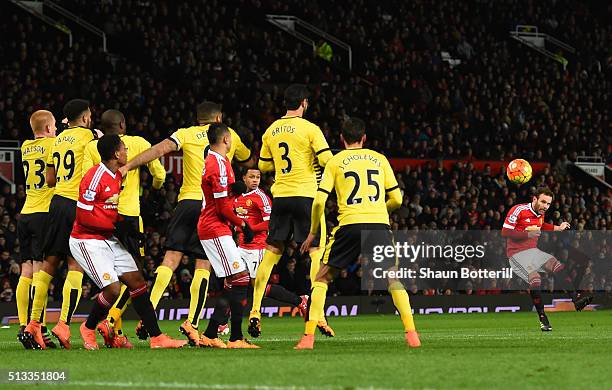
(251, 178)
(42, 123)
(209, 112)
(78, 113)
(219, 138)
(296, 97)
(542, 199)
(353, 132)
(113, 122)
(112, 149)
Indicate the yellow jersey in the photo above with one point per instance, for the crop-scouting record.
(67, 158)
(129, 198)
(193, 141)
(34, 159)
(361, 179)
(293, 145)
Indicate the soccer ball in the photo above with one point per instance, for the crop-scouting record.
(519, 171)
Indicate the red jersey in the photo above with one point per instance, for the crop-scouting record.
(255, 208)
(96, 211)
(522, 218)
(216, 179)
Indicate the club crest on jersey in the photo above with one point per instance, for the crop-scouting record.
(89, 195)
(236, 265)
(249, 202)
(106, 276)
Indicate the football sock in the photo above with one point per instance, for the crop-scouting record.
(199, 291)
(71, 294)
(315, 263)
(143, 306)
(270, 259)
(536, 298)
(563, 282)
(402, 304)
(41, 288)
(162, 280)
(219, 316)
(119, 307)
(317, 302)
(238, 298)
(282, 294)
(98, 311)
(22, 296)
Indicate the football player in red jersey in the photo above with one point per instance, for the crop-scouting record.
(254, 206)
(100, 254)
(522, 229)
(216, 238)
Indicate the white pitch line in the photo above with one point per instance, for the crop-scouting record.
(211, 386)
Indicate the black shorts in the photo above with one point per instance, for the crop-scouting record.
(350, 241)
(62, 213)
(31, 233)
(130, 234)
(182, 234)
(290, 219)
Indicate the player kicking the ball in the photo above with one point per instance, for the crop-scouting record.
(100, 254)
(522, 228)
(216, 239)
(367, 190)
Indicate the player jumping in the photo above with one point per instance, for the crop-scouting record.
(522, 228)
(290, 148)
(182, 235)
(367, 190)
(33, 220)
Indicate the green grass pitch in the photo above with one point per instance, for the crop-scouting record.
(473, 351)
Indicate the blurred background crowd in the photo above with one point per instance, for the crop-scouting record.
(502, 102)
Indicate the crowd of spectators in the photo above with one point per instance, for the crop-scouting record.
(503, 101)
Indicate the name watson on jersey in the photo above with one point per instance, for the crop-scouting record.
(428, 273)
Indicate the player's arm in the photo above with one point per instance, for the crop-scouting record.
(50, 174)
(320, 146)
(89, 157)
(266, 162)
(392, 191)
(155, 167)
(170, 144)
(265, 208)
(555, 228)
(242, 155)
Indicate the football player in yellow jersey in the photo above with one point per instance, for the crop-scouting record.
(64, 172)
(366, 190)
(33, 219)
(291, 147)
(182, 237)
(129, 229)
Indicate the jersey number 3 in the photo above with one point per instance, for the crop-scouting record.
(39, 173)
(285, 156)
(352, 199)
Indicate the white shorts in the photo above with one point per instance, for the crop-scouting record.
(104, 261)
(224, 256)
(531, 260)
(252, 258)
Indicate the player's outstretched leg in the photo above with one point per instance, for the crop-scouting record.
(564, 282)
(271, 257)
(71, 294)
(281, 294)
(402, 304)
